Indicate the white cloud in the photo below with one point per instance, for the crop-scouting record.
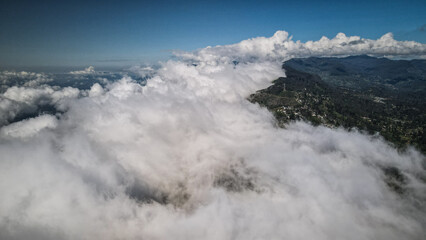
(86, 71)
(188, 157)
(28, 128)
(19, 100)
(281, 47)
(96, 90)
(33, 96)
(28, 79)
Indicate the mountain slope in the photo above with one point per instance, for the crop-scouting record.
(370, 94)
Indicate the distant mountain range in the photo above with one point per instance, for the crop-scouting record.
(376, 95)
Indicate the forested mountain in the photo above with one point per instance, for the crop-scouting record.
(376, 95)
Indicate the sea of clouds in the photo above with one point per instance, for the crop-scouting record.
(184, 155)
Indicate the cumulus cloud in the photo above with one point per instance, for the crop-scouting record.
(282, 47)
(86, 71)
(27, 100)
(33, 96)
(23, 78)
(186, 156)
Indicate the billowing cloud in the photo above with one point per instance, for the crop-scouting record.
(89, 70)
(186, 156)
(27, 100)
(281, 47)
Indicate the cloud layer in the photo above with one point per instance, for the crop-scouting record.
(281, 47)
(186, 156)
(28, 79)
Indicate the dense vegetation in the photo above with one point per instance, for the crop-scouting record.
(375, 95)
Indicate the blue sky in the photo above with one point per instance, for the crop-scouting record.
(104, 33)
